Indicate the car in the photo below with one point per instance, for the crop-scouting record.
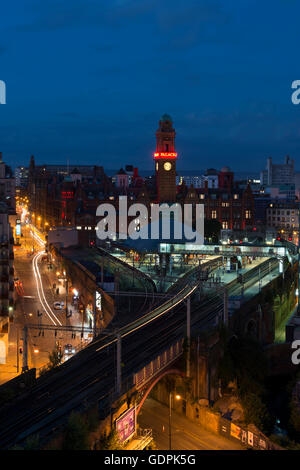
(58, 305)
(69, 349)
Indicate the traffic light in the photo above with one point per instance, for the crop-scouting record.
(21, 350)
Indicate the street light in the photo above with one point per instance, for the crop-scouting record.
(177, 397)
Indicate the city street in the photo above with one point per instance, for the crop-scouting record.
(186, 435)
(34, 306)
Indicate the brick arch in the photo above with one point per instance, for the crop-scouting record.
(163, 374)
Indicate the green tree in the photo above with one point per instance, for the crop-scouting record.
(109, 441)
(256, 412)
(76, 433)
(55, 358)
(244, 361)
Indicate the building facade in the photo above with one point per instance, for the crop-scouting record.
(284, 217)
(278, 174)
(6, 268)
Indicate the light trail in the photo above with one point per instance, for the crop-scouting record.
(40, 291)
(36, 236)
(159, 311)
(151, 317)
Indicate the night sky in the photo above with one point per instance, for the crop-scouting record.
(88, 81)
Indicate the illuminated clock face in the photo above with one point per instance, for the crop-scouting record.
(167, 166)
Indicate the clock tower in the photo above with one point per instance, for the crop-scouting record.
(165, 161)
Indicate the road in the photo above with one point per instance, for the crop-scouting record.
(186, 435)
(36, 295)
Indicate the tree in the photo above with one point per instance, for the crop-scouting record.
(244, 361)
(55, 358)
(256, 412)
(109, 441)
(76, 433)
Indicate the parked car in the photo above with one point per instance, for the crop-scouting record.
(58, 305)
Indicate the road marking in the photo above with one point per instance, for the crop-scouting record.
(40, 290)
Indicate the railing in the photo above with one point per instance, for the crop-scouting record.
(145, 437)
(156, 365)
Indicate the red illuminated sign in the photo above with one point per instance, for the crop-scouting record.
(67, 194)
(165, 155)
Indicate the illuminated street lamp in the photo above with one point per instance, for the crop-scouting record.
(177, 397)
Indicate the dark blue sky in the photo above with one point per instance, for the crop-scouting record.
(88, 80)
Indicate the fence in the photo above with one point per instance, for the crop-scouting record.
(250, 439)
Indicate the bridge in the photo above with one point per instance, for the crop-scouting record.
(137, 352)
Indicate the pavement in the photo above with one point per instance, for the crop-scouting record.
(186, 435)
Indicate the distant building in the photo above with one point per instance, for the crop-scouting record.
(189, 180)
(261, 203)
(7, 186)
(284, 217)
(283, 191)
(212, 177)
(278, 174)
(122, 179)
(21, 176)
(165, 158)
(6, 268)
